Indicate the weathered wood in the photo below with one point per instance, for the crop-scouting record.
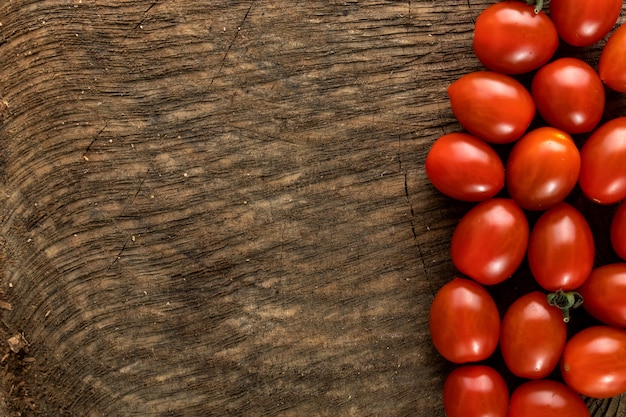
(219, 208)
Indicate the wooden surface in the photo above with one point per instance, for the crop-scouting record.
(218, 208)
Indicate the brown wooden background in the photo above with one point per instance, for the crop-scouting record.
(218, 208)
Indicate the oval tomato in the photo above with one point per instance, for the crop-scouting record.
(594, 362)
(603, 293)
(584, 22)
(618, 231)
(475, 391)
(495, 107)
(561, 249)
(602, 168)
(532, 336)
(542, 168)
(612, 63)
(545, 397)
(510, 38)
(490, 241)
(569, 95)
(464, 322)
(464, 167)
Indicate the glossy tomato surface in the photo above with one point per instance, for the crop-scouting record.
(602, 168)
(532, 336)
(604, 294)
(612, 64)
(546, 398)
(492, 106)
(542, 168)
(618, 231)
(509, 37)
(464, 167)
(584, 22)
(561, 249)
(569, 95)
(464, 322)
(475, 391)
(594, 362)
(490, 241)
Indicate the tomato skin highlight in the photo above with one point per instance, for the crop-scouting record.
(561, 249)
(464, 167)
(546, 398)
(612, 63)
(492, 106)
(584, 22)
(490, 241)
(510, 38)
(464, 322)
(618, 231)
(475, 391)
(594, 362)
(569, 95)
(603, 293)
(542, 168)
(532, 336)
(602, 169)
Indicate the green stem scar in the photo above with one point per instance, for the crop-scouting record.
(565, 301)
(538, 4)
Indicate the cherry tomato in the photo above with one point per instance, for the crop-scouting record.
(594, 362)
(561, 249)
(464, 322)
(584, 22)
(618, 231)
(495, 107)
(510, 38)
(546, 398)
(603, 293)
(569, 95)
(542, 168)
(490, 241)
(475, 391)
(464, 167)
(532, 336)
(612, 63)
(602, 168)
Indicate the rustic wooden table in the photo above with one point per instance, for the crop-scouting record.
(219, 208)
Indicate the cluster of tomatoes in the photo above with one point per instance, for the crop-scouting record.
(534, 131)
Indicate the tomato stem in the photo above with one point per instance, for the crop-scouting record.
(565, 301)
(538, 5)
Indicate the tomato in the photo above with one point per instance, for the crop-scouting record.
(542, 168)
(464, 321)
(561, 249)
(495, 107)
(618, 231)
(490, 241)
(546, 398)
(594, 362)
(464, 167)
(510, 38)
(584, 22)
(603, 293)
(475, 391)
(612, 63)
(602, 168)
(532, 336)
(569, 95)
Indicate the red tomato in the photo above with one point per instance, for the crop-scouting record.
(618, 231)
(490, 241)
(532, 336)
(475, 391)
(561, 249)
(510, 38)
(495, 107)
(603, 293)
(569, 95)
(542, 168)
(464, 322)
(612, 64)
(546, 398)
(584, 22)
(594, 362)
(464, 167)
(602, 168)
